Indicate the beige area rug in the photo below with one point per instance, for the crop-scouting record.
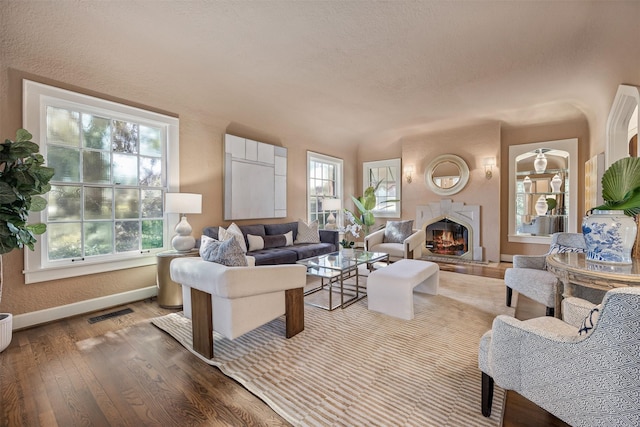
(355, 367)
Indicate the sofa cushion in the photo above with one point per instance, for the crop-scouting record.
(275, 256)
(282, 229)
(227, 252)
(265, 242)
(397, 231)
(235, 232)
(211, 232)
(307, 233)
(255, 229)
(308, 250)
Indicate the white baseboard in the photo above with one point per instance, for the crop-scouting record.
(33, 318)
(506, 258)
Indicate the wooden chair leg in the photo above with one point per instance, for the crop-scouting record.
(294, 311)
(509, 296)
(202, 322)
(487, 394)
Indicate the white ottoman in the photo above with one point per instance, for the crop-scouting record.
(390, 289)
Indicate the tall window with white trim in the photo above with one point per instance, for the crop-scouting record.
(111, 172)
(324, 182)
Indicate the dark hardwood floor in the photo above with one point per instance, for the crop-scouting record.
(72, 373)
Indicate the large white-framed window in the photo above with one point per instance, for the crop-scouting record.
(113, 164)
(385, 177)
(324, 182)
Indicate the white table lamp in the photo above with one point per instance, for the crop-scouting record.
(183, 203)
(331, 205)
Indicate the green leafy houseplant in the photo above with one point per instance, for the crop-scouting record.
(346, 244)
(621, 186)
(23, 178)
(364, 207)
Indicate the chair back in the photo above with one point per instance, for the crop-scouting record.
(567, 242)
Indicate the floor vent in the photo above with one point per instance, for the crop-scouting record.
(110, 315)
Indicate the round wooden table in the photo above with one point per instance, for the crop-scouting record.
(573, 270)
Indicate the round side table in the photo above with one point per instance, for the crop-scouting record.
(169, 292)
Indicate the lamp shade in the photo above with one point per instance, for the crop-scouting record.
(331, 204)
(183, 203)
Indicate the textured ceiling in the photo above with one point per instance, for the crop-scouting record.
(337, 72)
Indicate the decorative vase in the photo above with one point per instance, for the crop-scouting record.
(6, 325)
(609, 236)
(541, 206)
(526, 183)
(556, 183)
(347, 252)
(540, 164)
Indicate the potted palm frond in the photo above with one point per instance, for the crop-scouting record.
(610, 230)
(23, 178)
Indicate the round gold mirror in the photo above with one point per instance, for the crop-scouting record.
(446, 174)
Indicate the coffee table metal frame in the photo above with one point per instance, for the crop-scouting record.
(334, 268)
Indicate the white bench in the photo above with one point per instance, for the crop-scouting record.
(390, 289)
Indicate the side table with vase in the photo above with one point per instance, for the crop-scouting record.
(170, 292)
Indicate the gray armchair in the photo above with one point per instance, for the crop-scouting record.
(588, 379)
(529, 277)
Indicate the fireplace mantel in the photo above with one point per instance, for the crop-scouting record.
(466, 214)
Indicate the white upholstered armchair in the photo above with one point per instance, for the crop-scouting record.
(529, 277)
(591, 379)
(236, 300)
(408, 246)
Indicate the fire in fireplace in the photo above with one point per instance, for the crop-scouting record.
(447, 237)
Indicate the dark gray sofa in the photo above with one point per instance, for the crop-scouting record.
(286, 254)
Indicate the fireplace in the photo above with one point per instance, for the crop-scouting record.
(452, 229)
(447, 237)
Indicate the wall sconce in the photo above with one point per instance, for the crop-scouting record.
(408, 173)
(489, 163)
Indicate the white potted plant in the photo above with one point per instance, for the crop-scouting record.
(23, 178)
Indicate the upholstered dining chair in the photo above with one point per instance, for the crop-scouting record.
(583, 369)
(529, 277)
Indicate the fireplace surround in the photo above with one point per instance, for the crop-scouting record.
(452, 229)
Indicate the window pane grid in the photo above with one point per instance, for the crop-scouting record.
(324, 178)
(108, 187)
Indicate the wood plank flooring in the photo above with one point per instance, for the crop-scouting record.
(72, 373)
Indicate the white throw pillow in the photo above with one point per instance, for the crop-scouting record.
(256, 243)
(235, 232)
(307, 233)
(289, 236)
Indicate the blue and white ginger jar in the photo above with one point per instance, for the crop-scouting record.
(609, 235)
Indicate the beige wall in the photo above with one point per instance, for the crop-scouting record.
(200, 172)
(473, 144)
(524, 135)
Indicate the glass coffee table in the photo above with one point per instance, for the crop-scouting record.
(333, 269)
